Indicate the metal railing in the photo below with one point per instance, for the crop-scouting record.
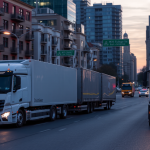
(43, 40)
(28, 53)
(17, 17)
(43, 52)
(29, 37)
(13, 50)
(69, 28)
(68, 37)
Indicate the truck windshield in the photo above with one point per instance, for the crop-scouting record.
(5, 83)
(126, 88)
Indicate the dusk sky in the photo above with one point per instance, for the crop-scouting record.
(135, 19)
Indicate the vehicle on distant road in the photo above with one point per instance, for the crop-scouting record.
(139, 88)
(118, 89)
(128, 89)
(143, 92)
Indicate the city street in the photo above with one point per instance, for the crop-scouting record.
(124, 127)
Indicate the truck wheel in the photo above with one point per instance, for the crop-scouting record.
(20, 118)
(122, 95)
(88, 108)
(107, 106)
(91, 108)
(52, 114)
(63, 112)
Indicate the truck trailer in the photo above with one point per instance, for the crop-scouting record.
(31, 90)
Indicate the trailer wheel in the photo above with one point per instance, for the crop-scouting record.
(88, 108)
(63, 112)
(91, 108)
(20, 118)
(52, 114)
(107, 106)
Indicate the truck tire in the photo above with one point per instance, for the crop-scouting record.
(20, 118)
(52, 114)
(63, 112)
(91, 108)
(88, 108)
(107, 106)
(122, 95)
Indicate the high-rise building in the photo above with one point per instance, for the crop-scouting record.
(80, 10)
(105, 22)
(129, 62)
(65, 8)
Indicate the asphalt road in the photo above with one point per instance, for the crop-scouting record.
(124, 127)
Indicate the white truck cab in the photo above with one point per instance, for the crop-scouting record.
(14, 90)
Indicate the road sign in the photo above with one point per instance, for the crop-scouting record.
(65, 53)
(115, 43)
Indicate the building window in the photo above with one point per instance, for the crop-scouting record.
(5, 6)
(49, 36)
(13, 9)
(82, 43)
(62, 42)
(62, 32)
(20, 45)
(21, 28)
(5, 42)
(27, 46)
(5, 24)
(62, 23)
(5, 57)
(13, 58)
(28, 16)
(27, 29)
(13, 27)
(20, 12)
(20, 57)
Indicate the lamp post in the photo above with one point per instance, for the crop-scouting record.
(6, 32)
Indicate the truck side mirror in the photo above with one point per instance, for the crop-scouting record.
(17, 83)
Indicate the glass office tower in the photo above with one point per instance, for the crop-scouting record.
(105, 22)
(65, 8)
(80, 11)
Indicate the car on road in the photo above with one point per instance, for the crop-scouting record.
(143, 92)
(118, 89)
(139, 88)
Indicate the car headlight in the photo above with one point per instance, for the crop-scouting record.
(5, 115)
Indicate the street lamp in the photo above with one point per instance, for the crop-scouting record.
(6, 32)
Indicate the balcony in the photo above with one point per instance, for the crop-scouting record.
(88, 57)
(13, 50)
(88, 66)
(17, 33)
(1, 11)
(68, 63)
(1, 48)
(67, 46)
(17, 17)
(28, 37)
(69, 29)
(86, 50)
(43, 52)
(28, 53)
(43, 41)
(69, 37)
(54, 54)
(54, 43)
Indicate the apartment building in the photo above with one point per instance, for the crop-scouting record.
(93, 58)
(104, 21)
(46, 43)
(15, 17)
(129, 62)
(69, 39)
(65, 8)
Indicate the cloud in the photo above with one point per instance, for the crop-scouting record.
(137, 8)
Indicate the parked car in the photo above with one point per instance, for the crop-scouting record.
(144, 92)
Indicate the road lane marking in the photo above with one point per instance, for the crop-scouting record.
(62, 129)
(45, 130)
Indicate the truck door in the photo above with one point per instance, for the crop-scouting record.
(17, 92)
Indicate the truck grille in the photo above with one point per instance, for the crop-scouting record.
(2, 104)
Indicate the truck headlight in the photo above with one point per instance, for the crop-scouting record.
(130, 92)
(5, 115)
(122, 92)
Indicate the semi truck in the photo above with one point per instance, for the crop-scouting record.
(31, 89)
